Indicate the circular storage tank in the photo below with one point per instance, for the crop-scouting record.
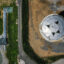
(52, 27)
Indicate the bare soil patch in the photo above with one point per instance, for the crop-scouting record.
(37, 11)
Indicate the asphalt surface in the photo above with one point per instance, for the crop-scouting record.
(20, 27)
(4, 59)
(60, 61)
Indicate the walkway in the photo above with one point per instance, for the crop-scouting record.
(22, 54)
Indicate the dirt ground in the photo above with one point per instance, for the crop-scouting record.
(37, 11)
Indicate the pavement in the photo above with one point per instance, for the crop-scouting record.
(60, 61)
(3, 53)
(22, 54)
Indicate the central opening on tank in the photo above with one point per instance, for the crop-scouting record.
(48, 26)
(56, 22)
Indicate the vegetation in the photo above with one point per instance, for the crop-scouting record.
(27, 48)
(1, 26)
(12, 48)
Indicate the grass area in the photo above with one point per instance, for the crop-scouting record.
(25, 33)
(6, 2)
(12, 48)
(1, 26)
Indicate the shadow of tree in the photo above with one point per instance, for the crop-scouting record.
(25, 34)
(61, 13)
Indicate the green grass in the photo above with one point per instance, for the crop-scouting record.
(1, 26)
(12, 48)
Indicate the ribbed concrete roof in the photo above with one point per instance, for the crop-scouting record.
(52, 27)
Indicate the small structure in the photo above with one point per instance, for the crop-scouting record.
(8, 9)
(52, 28)
(3, 36)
